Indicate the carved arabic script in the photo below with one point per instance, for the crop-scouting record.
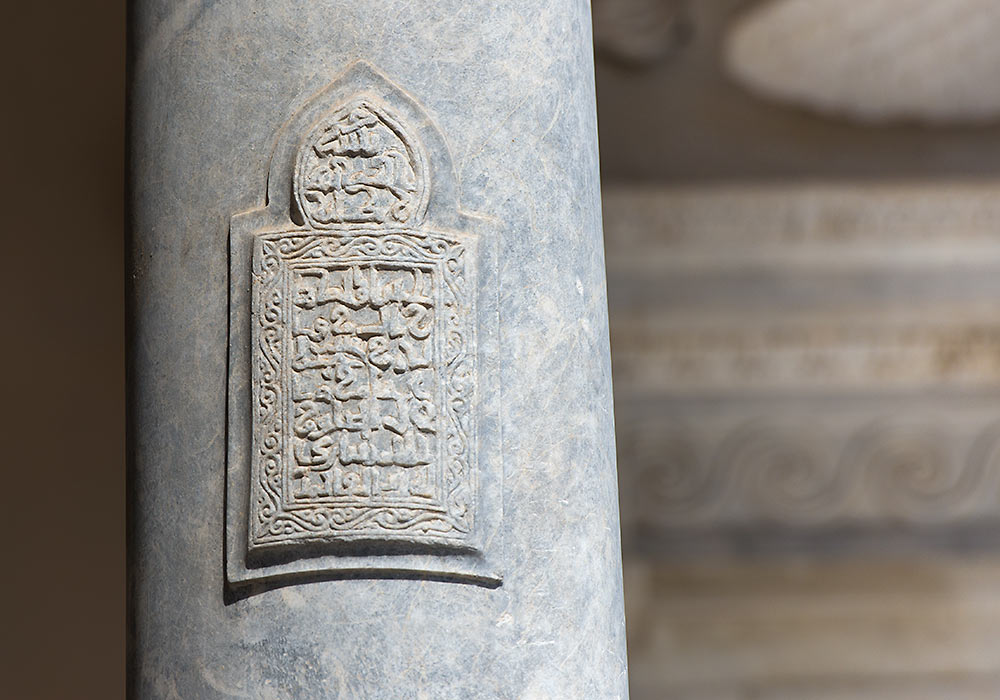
(359, 166)
(363, 388)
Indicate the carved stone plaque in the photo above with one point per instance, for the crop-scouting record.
(369, 338)
(364, 391)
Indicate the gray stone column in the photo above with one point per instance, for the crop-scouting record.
(371, 436)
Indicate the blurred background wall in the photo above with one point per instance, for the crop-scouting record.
(802, 224)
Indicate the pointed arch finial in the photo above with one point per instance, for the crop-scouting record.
(360, 165)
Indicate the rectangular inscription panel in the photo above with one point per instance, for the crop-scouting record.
(363, 394)
(364, 366)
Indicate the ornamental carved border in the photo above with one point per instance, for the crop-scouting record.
(363, 434)
(350, 504)
(359, 165)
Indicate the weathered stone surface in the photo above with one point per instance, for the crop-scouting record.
(418, 368)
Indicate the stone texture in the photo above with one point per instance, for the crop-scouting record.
(219, 97)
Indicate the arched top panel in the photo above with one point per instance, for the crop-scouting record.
(361, 152)
(360, 165)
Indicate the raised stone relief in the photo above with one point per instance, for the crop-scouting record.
(360, 166)
(781, 470)
(364, 386)
(371, 302)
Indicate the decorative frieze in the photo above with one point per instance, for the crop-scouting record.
(805, 359)
(831, 467)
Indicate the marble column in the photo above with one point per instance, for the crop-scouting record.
(371, 431)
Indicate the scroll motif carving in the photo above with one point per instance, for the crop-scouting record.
(783, 474)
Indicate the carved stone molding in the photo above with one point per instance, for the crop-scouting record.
(363, 319)
(806, 360)
(809, 472)
(832, 355)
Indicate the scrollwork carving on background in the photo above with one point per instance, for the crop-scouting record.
(766, 472)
